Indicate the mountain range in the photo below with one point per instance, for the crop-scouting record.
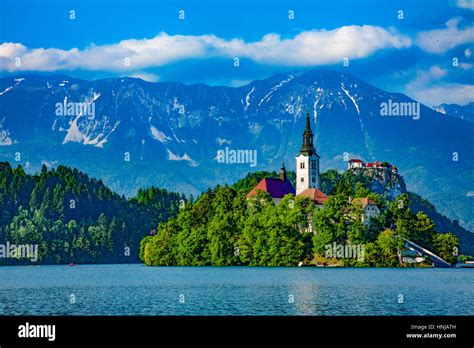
(464, 112)
(168, 134)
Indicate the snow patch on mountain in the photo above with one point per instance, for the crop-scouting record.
(351, 97)
(158, 135)
(185, 157)
(6, 90)
(89, 131)
(95, 141)
(269, 94)
(464, 112)
(17, 82)
(175, 137)
(73, 133)
(247, 98)
(316, 109)
(222, 141)
(103, 141)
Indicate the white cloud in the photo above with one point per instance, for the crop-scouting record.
(10, 49)
(425, 77)
(428, 88)
(319, 47)
(445, 93)
(239, 83)
(309, 48)
(467, 4)
(437, 72)
(146, 77)
(442, 40)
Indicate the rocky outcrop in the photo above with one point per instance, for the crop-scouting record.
(383, 181)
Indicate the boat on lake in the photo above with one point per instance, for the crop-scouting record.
(466, 264)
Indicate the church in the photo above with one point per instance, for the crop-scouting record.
(307, 175)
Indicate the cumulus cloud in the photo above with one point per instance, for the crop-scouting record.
(437, 72)
(466, 4)
(308, 48)
(442, 40)
(445, 93)
(429, 88)
(10, 49)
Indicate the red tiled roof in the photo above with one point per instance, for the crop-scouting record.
(315, 195)
(275, 187)
(364, 201)
(356, 160)
(374, 164)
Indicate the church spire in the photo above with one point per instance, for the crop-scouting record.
(307, 148)
(283, 172)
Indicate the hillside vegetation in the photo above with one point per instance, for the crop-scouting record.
(223, 228)
(74, 218)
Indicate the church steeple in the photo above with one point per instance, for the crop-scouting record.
(307, 162)
(283, 172)
(307, 148)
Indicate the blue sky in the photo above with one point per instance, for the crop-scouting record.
(147, 39)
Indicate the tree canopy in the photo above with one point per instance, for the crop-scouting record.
(74, 218)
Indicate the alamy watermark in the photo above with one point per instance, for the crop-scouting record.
(229, 156)
(345, 251)
(20, 251)
(393, 108)
(28, 330)
(86, 108)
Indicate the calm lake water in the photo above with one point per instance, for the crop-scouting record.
(139, 290)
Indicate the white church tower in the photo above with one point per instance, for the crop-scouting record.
(307, 162)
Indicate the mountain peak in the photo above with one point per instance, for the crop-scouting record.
(138, 133)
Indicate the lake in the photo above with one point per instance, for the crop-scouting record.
(135, 289)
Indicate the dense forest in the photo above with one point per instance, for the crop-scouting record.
(223, 228)
(74, 218)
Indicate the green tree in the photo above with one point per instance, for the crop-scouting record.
(331, 223)
(372, 255)
(388, 249)
(158, 251)
(446, 246)
(424, 231)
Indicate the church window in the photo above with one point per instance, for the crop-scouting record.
(302, 165)
(302, 179)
